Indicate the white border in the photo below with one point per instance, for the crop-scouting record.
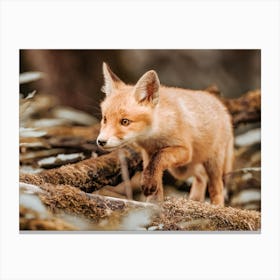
(154, 24)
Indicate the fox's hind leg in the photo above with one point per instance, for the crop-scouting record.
(214, 168)
(199, 183)
(200, 178)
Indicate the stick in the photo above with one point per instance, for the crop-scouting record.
(125, 175)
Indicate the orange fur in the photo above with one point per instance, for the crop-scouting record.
(187, 132)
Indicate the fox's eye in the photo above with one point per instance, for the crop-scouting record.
(104, 119)
(125, 122)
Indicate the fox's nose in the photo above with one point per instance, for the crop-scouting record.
(101, 142)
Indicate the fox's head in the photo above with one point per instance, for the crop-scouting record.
(127, 111)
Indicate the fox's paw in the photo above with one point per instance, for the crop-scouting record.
(148, 184)
(148, 187)
(152, 190)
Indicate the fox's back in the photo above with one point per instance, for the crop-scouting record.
(194, 116)
(199, 106)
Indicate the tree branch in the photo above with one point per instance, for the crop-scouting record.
(172, 214)
(91, 174)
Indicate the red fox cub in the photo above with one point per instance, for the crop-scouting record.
(185, 131)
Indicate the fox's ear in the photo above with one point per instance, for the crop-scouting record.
(111, 80)
(147, 88)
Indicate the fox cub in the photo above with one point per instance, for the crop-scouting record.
(185, 131)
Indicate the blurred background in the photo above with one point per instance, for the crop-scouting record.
(74, 77)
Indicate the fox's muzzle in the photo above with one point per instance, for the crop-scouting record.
(101, 143)
(110, 143)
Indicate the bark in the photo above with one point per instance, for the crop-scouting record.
(172, 214)
(91, 174)
(183, 214)
(246, 108)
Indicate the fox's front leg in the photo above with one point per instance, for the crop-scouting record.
(158, 162)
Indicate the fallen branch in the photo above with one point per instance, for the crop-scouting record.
(91, 174)
(172, 214)
(65, 199)
(183, 214)
(246, 108)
